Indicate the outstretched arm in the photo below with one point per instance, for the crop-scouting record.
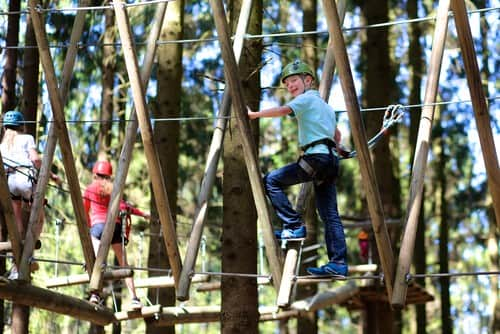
(271, 112)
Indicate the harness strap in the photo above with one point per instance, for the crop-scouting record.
(307, 167)
(325, 141)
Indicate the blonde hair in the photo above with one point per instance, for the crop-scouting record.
(9, 137)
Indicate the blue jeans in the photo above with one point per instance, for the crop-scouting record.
(326, 167)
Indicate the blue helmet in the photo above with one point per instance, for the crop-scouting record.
(13, 118)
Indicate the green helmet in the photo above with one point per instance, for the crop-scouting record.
(13, 118)
(297, 67)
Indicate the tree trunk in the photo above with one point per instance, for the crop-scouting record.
(239, 312)
(9, 103)
(416, 66)
(446, 321)
(108, 68)
(308, 324)
(379, 90)
(166, 139)
(20, 313)
(10, 65)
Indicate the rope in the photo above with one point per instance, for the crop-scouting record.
(40, 9)
(247, 36)
(212, 118)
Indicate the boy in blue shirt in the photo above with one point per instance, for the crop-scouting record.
(319, 163)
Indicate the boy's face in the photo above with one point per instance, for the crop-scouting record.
(297, 84)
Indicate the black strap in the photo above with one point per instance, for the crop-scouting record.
(325, 141)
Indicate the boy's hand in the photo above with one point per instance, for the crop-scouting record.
(251, 114)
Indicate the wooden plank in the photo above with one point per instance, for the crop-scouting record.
(289, 272)
(327, 298)
(249, 149)
(420, 159)
(117, 274)
(62, 132)
(8, 214)
(213, 158)
(481, 112)
(144, 312)
(29, 295)
(166, 281)
(138, 82)
(359, 136)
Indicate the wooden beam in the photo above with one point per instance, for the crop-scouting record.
(30, 295)
(167, 281)
(359, 136)
(117, 274)
(170, 316)
(8, 213)
(420, 159)
(249, 149)
(138, 83)
(62, 132)
(6, 246)
(213, 158)
(144, 312)
(326, 299)
(479, 105)
(45, 170)
(289, 272)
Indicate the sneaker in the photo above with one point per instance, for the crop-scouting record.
(298, 233)
(329, 269)
(95, 299)
(277, 234)
(13, 275)
(135, 304)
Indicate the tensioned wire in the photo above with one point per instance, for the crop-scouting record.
(216, 273)
(199, 118)
(247, 36)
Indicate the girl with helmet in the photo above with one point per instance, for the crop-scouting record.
(317, 135)
(96, 201)
(21, 162)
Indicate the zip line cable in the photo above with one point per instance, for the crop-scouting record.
(40, 9)
(203, 118)
(247, 36)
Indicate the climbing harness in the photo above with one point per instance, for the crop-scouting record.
(393, 114)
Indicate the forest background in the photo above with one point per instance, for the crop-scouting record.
(389, 64)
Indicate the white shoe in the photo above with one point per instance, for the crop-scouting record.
(13, 275)
(135, 304)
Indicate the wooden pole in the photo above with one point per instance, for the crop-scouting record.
(48, 156)
(289, 272)
(249, 149)
(30, 295)
(138, 82)
(359, 136)
(479, 105)
(8, 213)
(62, 132)
(117, 274)
(420, 159)
(211, 166)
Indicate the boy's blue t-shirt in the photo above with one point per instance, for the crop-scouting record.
(315, 119)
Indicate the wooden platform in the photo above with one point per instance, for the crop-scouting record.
(416, 295)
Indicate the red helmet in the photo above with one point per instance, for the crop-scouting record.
(103, 168)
